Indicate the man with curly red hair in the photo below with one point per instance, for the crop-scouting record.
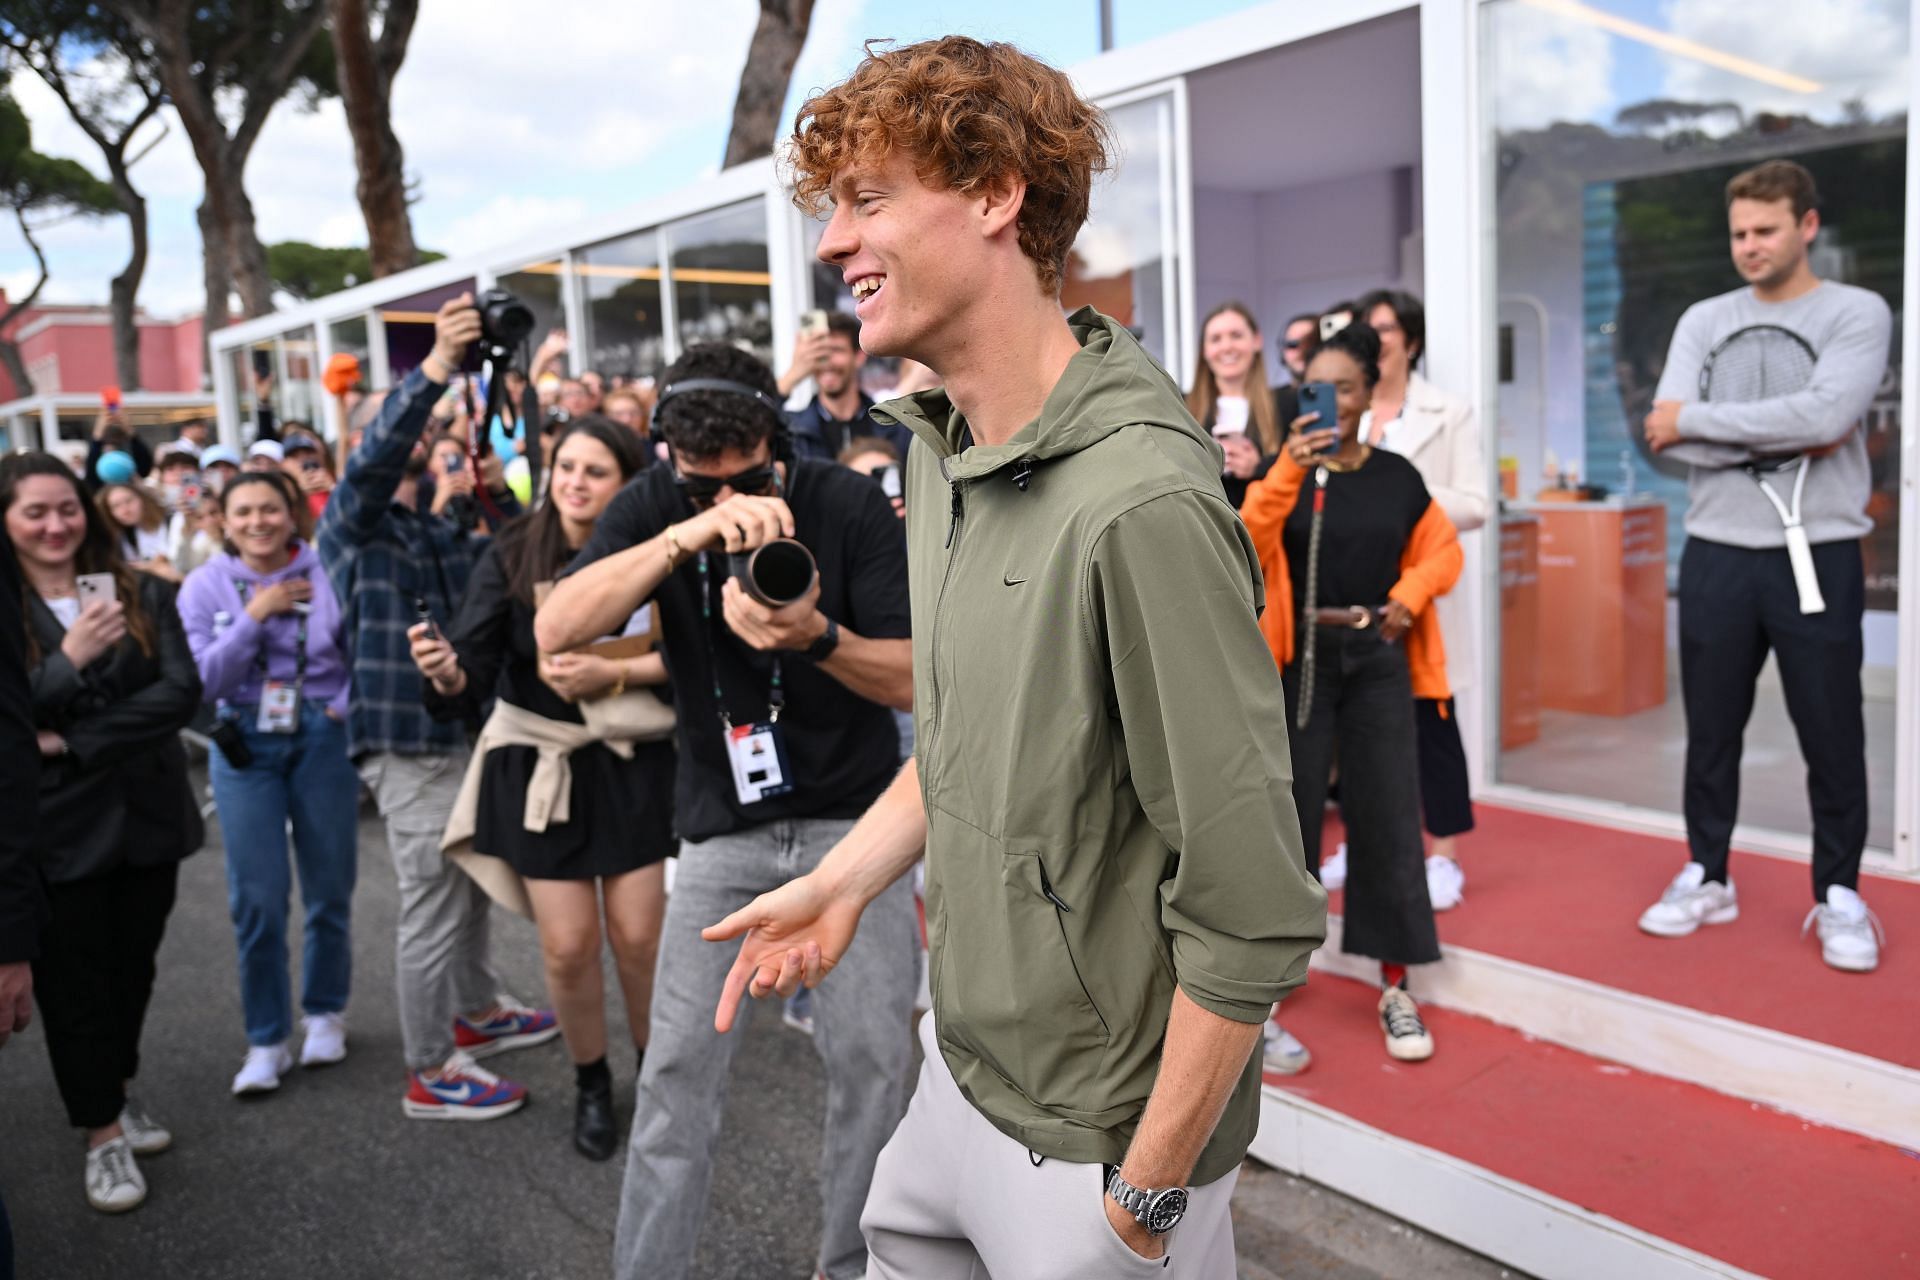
(1116, 892)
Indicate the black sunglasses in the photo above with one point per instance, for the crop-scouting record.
(1294, 344)
(754, 480)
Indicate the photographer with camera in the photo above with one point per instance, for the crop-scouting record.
(383, 555)
(785, 737)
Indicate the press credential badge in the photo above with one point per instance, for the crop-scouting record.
(758, 753)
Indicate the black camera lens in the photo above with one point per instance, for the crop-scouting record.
(505, 321)
(776, 574)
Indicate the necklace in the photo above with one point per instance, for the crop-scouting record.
(1334, 464)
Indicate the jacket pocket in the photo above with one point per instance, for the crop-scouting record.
(1009, 990)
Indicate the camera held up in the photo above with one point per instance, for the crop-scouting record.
(776, 574)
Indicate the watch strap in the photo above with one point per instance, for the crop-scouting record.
(822, 649)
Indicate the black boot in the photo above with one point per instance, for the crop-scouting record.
(594, 1133)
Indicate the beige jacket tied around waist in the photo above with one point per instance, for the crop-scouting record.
(617, 722)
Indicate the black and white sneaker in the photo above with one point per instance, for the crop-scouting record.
(145, 1135)
(114, 1184)
(1407, 1037)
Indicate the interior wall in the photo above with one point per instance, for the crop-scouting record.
(1297, 249)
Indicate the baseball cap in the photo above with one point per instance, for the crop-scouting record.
(267, 449)
(299, 440)
(182, 445)
(215, 454)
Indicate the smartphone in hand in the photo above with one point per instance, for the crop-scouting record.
(95, 586)
(1320, 398)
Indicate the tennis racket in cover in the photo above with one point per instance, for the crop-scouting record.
(1764, 362)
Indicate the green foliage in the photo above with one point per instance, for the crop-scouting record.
(31, 182)
(311, 271)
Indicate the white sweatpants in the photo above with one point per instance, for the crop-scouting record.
(953, 1198)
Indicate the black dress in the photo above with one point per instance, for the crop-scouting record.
(621, 816)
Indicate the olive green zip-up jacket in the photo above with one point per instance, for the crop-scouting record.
(1103, 754)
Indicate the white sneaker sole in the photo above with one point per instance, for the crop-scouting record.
(320, 1060)
(1410, 1050)
(254, 1089)
(1850, 964)
(109, 1207)
(152, 1147)
(435, 1111)
(1288, 1066)
(1661, 929)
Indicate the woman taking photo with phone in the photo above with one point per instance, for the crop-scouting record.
(595, 828)
(1354, 552)
(1434, 430)
(1231, 398)
(113, 685)
(268, 637)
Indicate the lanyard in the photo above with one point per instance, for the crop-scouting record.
(300, 638)
(776, 695)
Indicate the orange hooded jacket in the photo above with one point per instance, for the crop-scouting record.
(1429, 566)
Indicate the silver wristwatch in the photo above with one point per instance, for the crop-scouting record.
(1158, 1211)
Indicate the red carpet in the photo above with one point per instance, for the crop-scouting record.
(1564, 896)
(1763, 1191)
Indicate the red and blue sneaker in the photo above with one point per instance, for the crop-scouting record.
(511, 1026)
(462, 1091)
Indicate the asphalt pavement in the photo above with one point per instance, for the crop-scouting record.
(327, 1178)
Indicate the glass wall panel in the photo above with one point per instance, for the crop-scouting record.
(299, 390)
(351, 337)
(1616, 128)
(1117, 264)
(722, 291)
(626, 332)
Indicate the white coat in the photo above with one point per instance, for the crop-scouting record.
(1436, 432)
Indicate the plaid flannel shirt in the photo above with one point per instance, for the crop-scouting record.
(380, 556)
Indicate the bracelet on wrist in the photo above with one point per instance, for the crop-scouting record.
(674, 549)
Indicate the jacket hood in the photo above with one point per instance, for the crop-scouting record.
(1112, 383)
(305, 563)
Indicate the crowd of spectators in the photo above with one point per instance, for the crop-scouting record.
(371, 625)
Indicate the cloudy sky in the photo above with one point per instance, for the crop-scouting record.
(510, 128)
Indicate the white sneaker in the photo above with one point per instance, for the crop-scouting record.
(143, 1134)
(326, 1040)
(262, 1070)
(1445, 882)
(1850, 934)
(1282, 1053)
(1407, 1036)
(1689, 902)
(1333, 871)
(114, 1184)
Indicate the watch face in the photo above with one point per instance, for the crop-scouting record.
(1166, 1209)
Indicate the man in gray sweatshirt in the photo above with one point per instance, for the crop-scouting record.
(1741, 594)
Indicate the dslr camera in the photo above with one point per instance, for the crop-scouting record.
(505, 322)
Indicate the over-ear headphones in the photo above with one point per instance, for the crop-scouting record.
(782, 437)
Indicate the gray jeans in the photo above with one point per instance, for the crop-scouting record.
(441, 965)
(956, 1199)
(862, 1016)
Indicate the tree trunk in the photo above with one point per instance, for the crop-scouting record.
(10, 351)
(777, 40)
(366, 88)
(250, 274)
(216, 258)
(126, 288)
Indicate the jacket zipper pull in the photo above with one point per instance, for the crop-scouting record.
(959, 509)
(1046, 889)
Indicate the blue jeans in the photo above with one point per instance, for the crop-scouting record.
(304, 777)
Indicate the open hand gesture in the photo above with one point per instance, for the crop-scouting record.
(794, 937)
